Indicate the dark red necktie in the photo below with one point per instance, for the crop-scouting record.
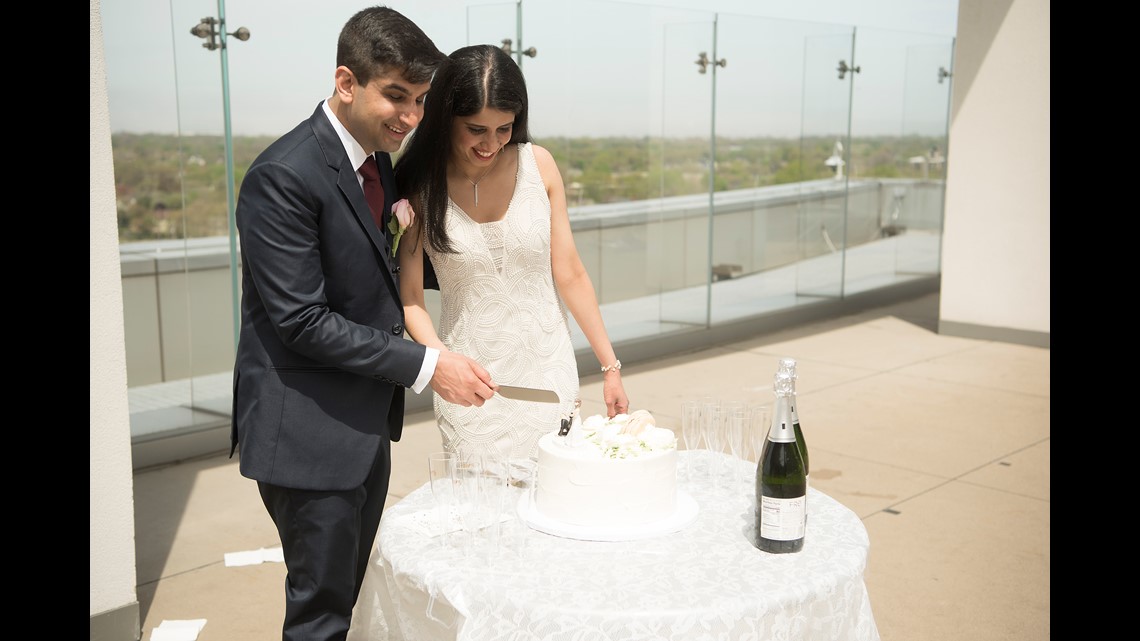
(373, 191)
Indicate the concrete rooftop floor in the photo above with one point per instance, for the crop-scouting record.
(941, 445)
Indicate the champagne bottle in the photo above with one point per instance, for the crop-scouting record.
(789, 365)
(781, 481)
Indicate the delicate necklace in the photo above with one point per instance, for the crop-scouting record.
(475, 183)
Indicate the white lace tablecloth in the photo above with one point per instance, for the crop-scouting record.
(705, 582)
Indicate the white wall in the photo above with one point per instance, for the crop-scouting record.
(112, 485)
(995, 248)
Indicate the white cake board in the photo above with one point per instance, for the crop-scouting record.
(685, 514)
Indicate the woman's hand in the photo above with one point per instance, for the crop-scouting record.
(613, 392)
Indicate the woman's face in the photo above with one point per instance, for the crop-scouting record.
(477, 139)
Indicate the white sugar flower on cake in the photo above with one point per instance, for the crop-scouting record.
(623, 436)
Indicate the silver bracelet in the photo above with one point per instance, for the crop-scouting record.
(615, 367)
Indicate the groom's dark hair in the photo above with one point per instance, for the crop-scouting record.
(379, 39)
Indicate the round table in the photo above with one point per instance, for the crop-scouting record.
(706, 581)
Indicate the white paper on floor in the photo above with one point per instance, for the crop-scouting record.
(253, 557)
(186, 630)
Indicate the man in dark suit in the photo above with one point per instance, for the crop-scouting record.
(322, 361)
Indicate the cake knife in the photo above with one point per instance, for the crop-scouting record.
(528, 394)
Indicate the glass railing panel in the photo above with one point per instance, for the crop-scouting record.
(201, 296)
(165, 97)
(928, 81)
(828, 69)
(598, 104)
(897, 158)
(759, 109)
(682, 160)
(491, 23)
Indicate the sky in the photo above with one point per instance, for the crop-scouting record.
(603, 67)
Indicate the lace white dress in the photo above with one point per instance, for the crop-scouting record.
(499, 305)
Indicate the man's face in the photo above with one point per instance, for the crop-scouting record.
(385, 111)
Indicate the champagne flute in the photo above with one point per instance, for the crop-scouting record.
(523, 474)
(713, 437)
(493, 491)
(729, 410)
(442, 480)
(468, 470)
(757, 439)
(726, 467)
(757, 436)
(737, 424)
(691, 432)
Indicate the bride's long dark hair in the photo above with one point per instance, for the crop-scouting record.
(470, 79)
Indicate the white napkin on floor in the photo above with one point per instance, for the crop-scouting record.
(186, 630)
(253, 557)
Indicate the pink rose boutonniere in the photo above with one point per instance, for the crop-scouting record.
(402, 217)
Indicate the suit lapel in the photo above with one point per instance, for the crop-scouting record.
(349, 185)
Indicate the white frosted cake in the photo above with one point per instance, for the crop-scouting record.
(608, 472)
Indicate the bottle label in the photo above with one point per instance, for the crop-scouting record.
(782, 519)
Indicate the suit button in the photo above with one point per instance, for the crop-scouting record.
(398, 329)
(396, 269)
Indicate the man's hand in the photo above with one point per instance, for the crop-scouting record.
(462, 381)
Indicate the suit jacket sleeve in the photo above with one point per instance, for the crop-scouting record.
(313, 285)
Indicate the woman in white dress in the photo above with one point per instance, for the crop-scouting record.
(491, 217)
